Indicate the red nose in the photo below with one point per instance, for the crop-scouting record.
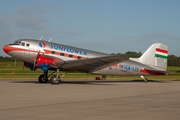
(6, 49)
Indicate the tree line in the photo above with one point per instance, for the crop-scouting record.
(8, 59)
(172, 59)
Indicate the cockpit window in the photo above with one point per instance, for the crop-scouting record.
(16, 43)
(23, 44)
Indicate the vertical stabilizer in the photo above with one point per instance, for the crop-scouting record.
(156, 56)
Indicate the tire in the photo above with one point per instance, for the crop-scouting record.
(146, 80)
(42, 80)
(54, 81)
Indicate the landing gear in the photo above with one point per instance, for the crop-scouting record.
(43, 78)
(55, 79)
(103, 77)
(145, 79)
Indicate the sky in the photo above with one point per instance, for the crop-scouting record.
(108, 26)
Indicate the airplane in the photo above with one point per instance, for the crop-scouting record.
(57, 57)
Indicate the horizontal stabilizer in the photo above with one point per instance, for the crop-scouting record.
(91, 64)
(158, 72)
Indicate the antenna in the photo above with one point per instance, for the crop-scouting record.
(50, 39)
(41, 37)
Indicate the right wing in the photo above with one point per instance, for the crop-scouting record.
(90, 64)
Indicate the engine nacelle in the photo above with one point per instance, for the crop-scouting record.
(30, 65)
(43, 62)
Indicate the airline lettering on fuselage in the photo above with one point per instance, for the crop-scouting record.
(135, 69)
(68, 50)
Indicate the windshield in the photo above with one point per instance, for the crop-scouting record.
(17, 43)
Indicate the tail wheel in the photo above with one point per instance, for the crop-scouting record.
(54, 80)
(42, 80)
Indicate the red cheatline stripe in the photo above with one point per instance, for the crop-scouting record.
(150, 72)
(74, 56)
(9, 49)
(57, 53)
(116, 65)
(65, 54)
(161, 50)
(47, 51)
(83, 57)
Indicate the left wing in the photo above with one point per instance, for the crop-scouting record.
(90, 64)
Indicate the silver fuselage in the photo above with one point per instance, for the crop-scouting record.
(27, 49)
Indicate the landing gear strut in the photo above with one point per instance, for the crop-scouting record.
(55, 79)
(103, 77)
(145, 79)
(43, 78)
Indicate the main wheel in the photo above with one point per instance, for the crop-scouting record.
(42, 80)
(54, 80)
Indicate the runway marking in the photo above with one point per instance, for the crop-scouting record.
(28, 93)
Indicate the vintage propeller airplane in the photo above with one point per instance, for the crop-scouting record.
(51, 56)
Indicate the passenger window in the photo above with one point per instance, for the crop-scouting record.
(71, 56)
(79, 57)
(53, 52)
(27, 45)
(23, 44)
(62, 54)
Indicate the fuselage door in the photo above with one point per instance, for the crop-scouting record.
(27, 50)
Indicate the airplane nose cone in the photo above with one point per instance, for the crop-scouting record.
(6, 49)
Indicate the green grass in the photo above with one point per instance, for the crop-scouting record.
(7, 67)
(15, 68)
(171, 68)
(11, 63)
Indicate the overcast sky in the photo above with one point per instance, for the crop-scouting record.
(108, 26)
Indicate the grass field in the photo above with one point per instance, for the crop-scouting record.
(18, 74)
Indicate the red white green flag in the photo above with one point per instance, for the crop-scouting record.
(161, 53)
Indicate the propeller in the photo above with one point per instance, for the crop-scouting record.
(35, 60)
(23, 68)
(15, 62)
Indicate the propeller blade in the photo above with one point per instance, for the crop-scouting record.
(34, 65)
(15, 62)
(23, 68)
(35, 61)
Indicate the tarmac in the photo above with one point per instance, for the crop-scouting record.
(90, 100)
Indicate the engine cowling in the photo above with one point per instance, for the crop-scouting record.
(30, 65)
(44, 62)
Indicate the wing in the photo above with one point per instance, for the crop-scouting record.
(91, 64)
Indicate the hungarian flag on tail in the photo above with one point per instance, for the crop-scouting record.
(161, 53)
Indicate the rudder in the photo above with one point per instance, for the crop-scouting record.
(156, 56)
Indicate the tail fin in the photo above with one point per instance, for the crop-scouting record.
(156, 56)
